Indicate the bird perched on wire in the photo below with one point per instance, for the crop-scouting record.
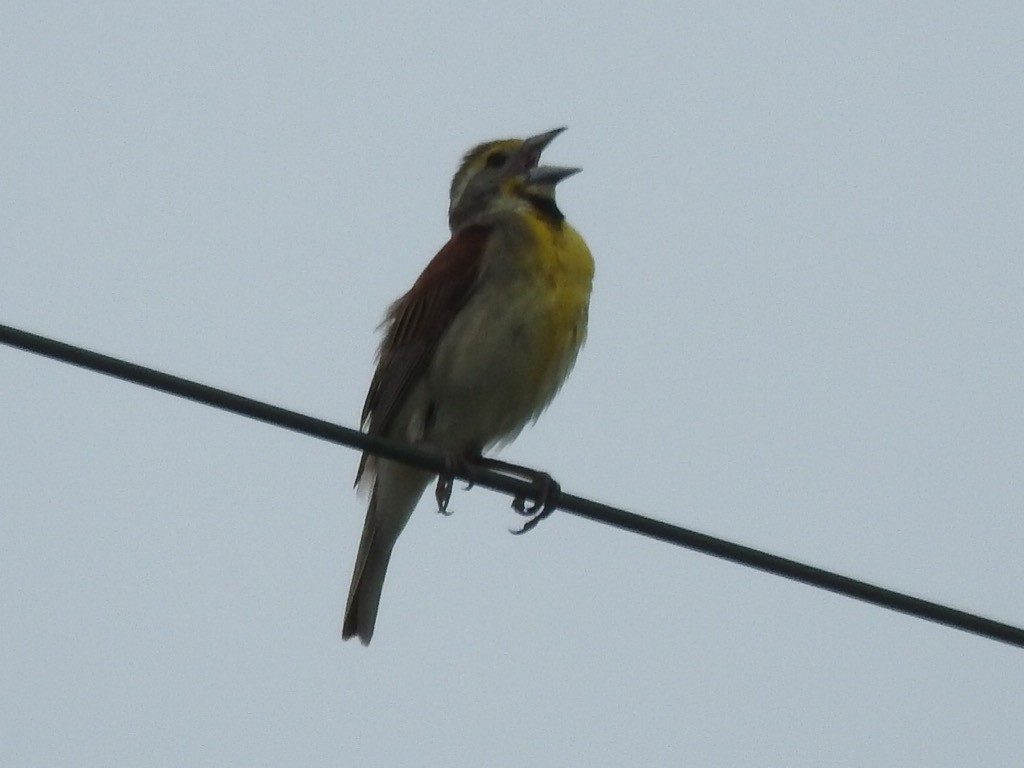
(477, 348)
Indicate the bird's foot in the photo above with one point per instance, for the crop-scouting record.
(454, 464)
(546, 491)
(443, 493)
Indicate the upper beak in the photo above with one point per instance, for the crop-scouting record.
(529, 155)
(531, 148)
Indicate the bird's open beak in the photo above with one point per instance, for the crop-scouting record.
(529, 156)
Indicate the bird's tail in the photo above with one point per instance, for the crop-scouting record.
(396, 490)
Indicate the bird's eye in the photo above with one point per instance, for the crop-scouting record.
(496, 159)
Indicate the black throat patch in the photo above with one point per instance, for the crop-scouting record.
(547, 207)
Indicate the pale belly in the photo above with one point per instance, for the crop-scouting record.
(500, 364)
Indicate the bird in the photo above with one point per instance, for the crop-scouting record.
(478, 346)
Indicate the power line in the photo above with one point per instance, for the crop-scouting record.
(577, 505)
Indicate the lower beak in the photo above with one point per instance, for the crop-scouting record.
(549, 174)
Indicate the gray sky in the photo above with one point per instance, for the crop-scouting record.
(805, 336)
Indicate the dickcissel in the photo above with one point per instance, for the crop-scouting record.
(479, 345)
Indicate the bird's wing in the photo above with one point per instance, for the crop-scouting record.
(415, 324)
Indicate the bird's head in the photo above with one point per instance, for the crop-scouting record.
(502, 172)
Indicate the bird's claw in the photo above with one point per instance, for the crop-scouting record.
(443, 493)
(547, 493)
(454, 464)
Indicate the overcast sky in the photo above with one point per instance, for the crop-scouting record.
(806, 336)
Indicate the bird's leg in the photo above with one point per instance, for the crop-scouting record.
(546, 491)
(455, 463)
(445, 481)
(443, 493)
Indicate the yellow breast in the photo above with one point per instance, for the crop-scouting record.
(564, 272)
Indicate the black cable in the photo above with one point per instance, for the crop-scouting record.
(577, 505)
